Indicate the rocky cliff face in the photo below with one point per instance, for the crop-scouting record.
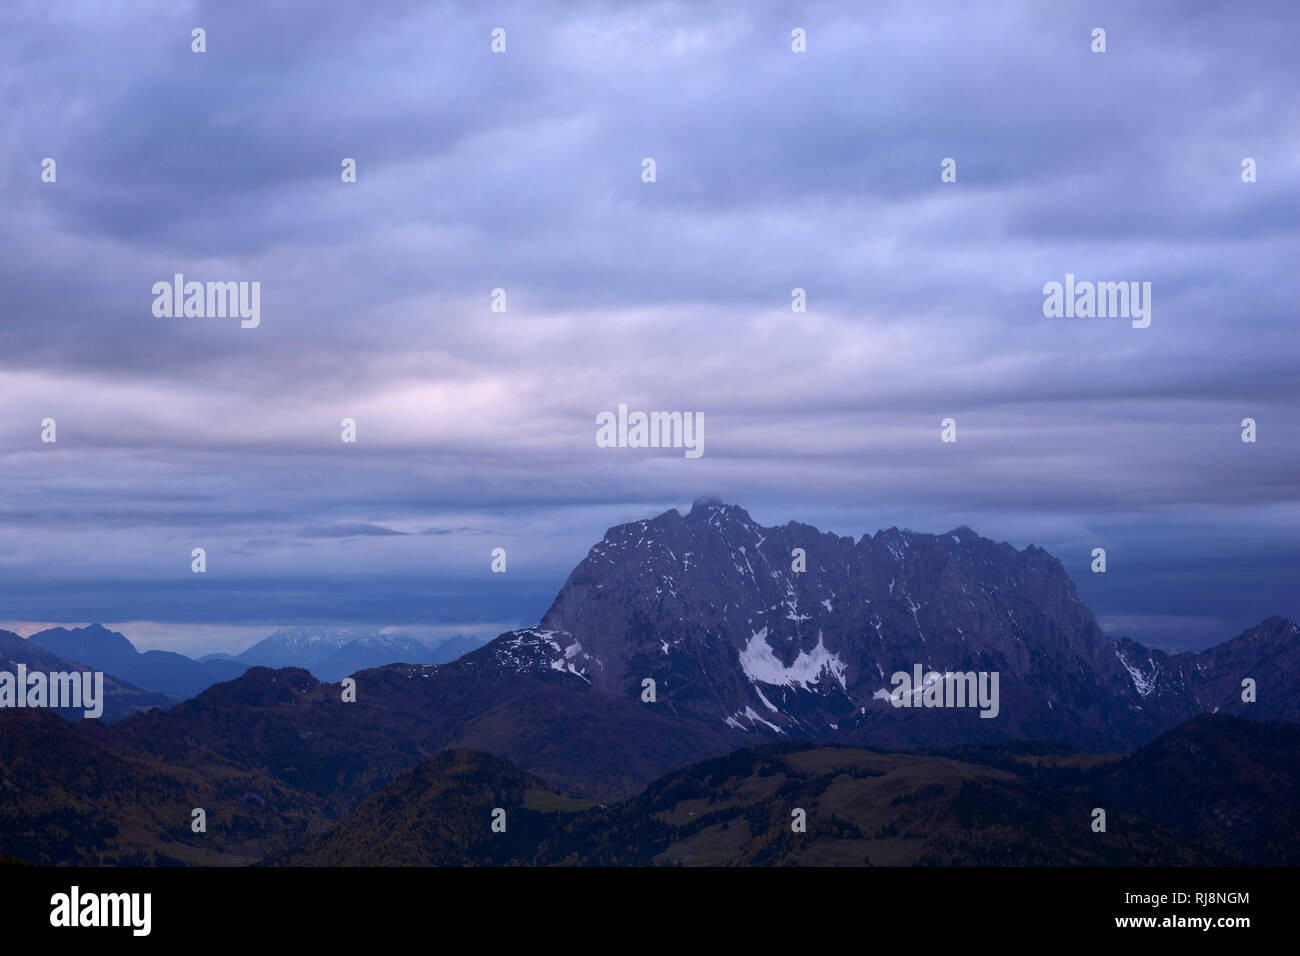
(793, 631)
(1183, 686)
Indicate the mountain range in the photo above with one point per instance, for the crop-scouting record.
(748, 636)
(164, 671)
(330, 653)
(120, 697)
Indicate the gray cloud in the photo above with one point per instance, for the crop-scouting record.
(522, 171)
(356, 529)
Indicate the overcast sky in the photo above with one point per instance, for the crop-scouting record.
(523, 171)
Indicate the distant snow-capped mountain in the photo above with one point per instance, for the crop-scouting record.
(303, 646)
(378, 650)
(332, 653)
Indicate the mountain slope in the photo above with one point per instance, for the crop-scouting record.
(1217, 780)
(1210, 681)
(120, 697)
(70, 795)
(300, 731)
(165, 671)
(1019, 804)
(440, 813)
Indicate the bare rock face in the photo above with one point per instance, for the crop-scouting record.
(789, 631)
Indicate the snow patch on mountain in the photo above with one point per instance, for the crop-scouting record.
(753, 718)
(762, 666)
(1142, 683)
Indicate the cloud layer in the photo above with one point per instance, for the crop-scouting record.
(522, 171)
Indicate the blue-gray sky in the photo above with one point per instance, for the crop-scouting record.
(522, 171)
